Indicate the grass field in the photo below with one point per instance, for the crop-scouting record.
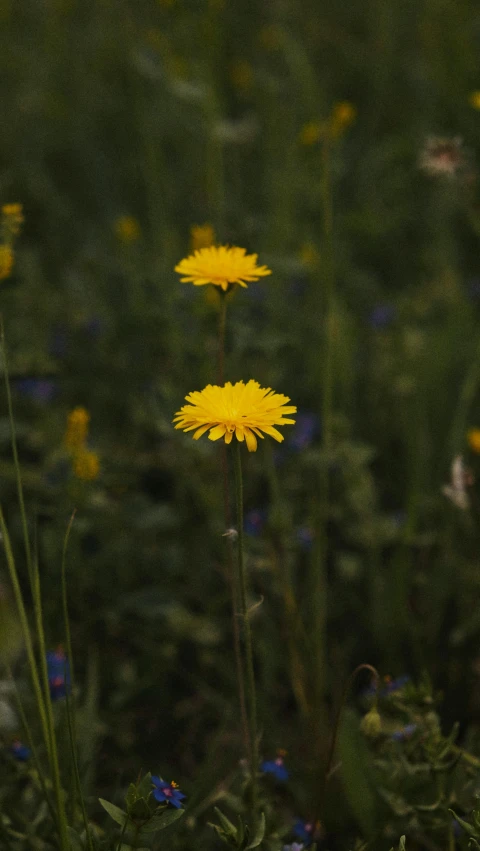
(341, 144)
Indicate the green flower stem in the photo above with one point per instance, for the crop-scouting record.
(247, 633)
(62, 824)
(27, 637)
(70, 702)
(222, 324)
(13, 434)
(318, 566)
(333, 740)
(31, 744)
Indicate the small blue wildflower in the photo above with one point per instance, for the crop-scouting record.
(305, 537)
(167, 792)
(304, 431)
(382, 316)
(304, 830)
(39, 390)
(405, 733)
(276, 767)
(295, 846)
(58, 670)
(254, 522)
(20, 751)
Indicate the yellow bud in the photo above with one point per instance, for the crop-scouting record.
(371, 723)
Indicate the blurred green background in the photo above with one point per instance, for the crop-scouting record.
(124, 124)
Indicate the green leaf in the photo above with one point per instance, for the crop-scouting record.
(76, 843)
(114, 812)
(357, 773)
(401, 844)
(139, 811)
(145, 786)
(240, 832)
(161, 820)
(226, 824)
(131, 796)
(469, 828)
(259, 833)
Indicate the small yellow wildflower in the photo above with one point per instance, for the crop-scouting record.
(86, 465)
(6, 261)
(311, 133)
(241, 74)
(473, 438)
(475, 99)
(222, 266)
(12, 218)
(343, 114)
(77, 429)
(245, 410)
(201, 236)
(127, 229)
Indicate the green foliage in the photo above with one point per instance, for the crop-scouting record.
(124, 123)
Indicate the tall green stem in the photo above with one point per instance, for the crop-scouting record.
(319, 556)
(27, 637)
(222, 324)
(13, 434)
(247, 633)
(70, 699)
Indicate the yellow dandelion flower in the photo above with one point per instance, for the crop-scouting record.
(86, 465)
(77, 429)
(311, 133)
(127, 229)
(6, 261)
(12, 218)
(473, 438)
(245, 410)
(201, 236)
(474, 100)
(221, 265)
(343, 114)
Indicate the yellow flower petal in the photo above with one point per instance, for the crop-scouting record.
(217, 432)
(246, 410)
(251, 440)
(221, 265)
